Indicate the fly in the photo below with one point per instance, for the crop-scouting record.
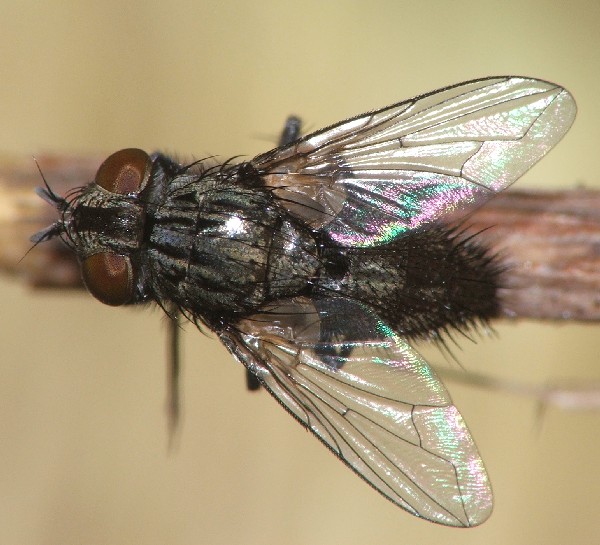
(318, 262)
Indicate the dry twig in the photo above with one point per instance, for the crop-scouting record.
(550, 241)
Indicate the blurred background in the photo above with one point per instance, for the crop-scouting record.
(83, 440)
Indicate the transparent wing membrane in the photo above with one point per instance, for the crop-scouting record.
(368, 180)
(372, 400)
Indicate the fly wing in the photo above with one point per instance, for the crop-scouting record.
(367, 180)
(365, 393)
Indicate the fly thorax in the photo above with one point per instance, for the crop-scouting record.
(220, 247)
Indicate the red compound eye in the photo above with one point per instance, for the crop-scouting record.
(109, 278)
(125, 171)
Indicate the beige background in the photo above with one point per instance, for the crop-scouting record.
(83, 446)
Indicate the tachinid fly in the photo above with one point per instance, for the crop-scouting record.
(317, 262)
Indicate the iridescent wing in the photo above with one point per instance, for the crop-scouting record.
(365, 393)
(367, 180)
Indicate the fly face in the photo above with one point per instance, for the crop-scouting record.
(316, 263)
(104, 223)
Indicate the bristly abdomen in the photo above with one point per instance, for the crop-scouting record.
(425, 283)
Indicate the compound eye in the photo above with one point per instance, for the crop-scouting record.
(109, 278)
(125, 171)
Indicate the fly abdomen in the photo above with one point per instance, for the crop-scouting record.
(292, 261)
(424, 283)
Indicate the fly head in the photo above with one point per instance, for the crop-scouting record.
(104, 224)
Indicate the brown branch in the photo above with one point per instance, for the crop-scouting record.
(550, 244)
(549, 241)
